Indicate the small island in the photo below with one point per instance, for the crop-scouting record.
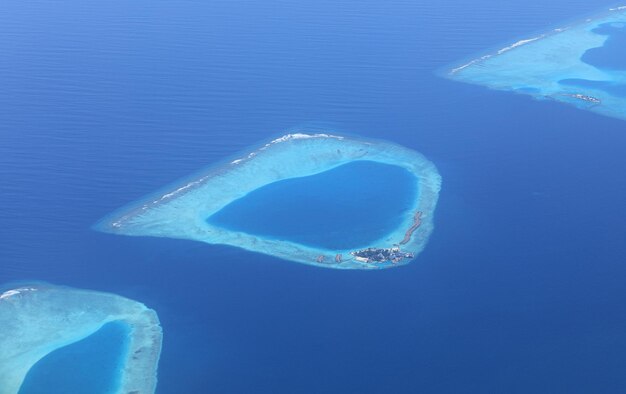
(317, 199)
(581, 64)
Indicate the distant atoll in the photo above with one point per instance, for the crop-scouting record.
(181, 210)
(37, 319)
(571, 64)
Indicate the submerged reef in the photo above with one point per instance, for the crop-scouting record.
(40, 318)
(583, 65)
(183, 209)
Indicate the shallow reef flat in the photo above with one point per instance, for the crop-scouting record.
(38, 319)
(583, 64)
(184, 209)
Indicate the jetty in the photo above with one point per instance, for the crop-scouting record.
(417, 221)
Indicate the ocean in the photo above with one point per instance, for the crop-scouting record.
(520, 289)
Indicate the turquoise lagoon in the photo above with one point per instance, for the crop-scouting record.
(63, 340)
(90, 366)
(307, 198)
(583, 64)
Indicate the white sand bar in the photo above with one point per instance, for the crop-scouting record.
(181, 210)
(38, 319)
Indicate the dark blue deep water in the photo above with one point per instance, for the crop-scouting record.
(520, 290)
(612, 55)
(350, 206)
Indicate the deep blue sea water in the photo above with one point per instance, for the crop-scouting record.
(350, 206)
(521, 288)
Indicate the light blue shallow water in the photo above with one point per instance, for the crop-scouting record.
(611, 57)
(347, 207)
(580, 63)
(90, 366)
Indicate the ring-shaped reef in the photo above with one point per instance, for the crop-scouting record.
(583, 64)
(39, 319)
(217, 205)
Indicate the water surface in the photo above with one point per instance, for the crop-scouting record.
(349, 206)
(90, 366)
(611, 55)
(521, 287)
